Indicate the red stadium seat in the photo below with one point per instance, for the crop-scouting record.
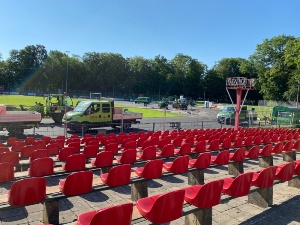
(167, 151)
(74, 162)
(75, 145)
(148, 153)
(239, 186)
(11, 157)
(17, 146)
(41, 167)
(202, 161)
(200, 146)
(221, 159)
(64, 153)
(113, 147)
(238, 155)
(162, 208)
(285, 172)
(29, 140)
(185, 149)
(119, 215)
(103, 159)
(127, 157)
(91, 151)
(265, 178)
(39, 153)
(117, 176)
(178, 166)
(53, 149)
(253, 153)
(27, 151)
(77, 183)
(204, 196)
(11, 140)
(7, 171)
(27, 191)
(151, 170)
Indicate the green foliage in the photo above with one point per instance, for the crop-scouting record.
(275, 63)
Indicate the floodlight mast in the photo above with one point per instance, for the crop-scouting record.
(239, 84)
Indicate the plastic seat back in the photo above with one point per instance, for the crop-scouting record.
(75, 145)
(90, 151)
(11, 157)
(53, 149)
(75, 162)
(4, 149)
(7, 171)
(103, 159)
(64, 153)
(117, 176)
(238, 155)
(39, 144)
(113, 147)
(221, 159)
(140, 141)
(289, 137)
(29, 140)
(277, 149)
(200, 146)
(297, 168)
(77, 183)
(148, 153)
(266, 139)
(274, 138)
(266, 151)
(70, 140)
(60, 142)
(238, 142)
(288, 146)
(185, 149)
(179, 165)
(130, 145)
(127, 157)
(47, 139)
(27, 151)
(257, 140)
(17, 146)
(162, 143)
(207, 195)
(41, 167)
(167, 151)
(39, 153)
(214, 145)
(265, 178)
(240, 186)
(151, 170)
(248, 141)
(162, 208)
(11, 140)
(285, 171)
(190, 139)
(226, 143)
(202, 161)
(147, 143)
(282, 137)
(296, 145)
(27, 191)
(177, 141)
(253, 153)
(119, 214)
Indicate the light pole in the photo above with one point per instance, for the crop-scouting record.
(297, 96)
(67, 72)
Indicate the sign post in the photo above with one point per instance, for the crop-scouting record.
(239, 84)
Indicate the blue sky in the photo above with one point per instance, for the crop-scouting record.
(207, 30)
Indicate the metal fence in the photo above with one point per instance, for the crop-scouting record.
(48, 128)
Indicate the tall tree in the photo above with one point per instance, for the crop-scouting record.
(273, 73)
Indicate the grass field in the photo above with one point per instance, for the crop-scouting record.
(28, 101)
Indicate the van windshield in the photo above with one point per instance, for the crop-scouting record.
(228, 109)
(82, 106)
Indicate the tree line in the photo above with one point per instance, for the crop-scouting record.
(275, 64)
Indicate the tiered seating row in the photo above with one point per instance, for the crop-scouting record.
(185, 157)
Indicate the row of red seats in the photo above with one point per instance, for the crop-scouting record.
(235, 187)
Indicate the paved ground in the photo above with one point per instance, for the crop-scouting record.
(285, 210)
